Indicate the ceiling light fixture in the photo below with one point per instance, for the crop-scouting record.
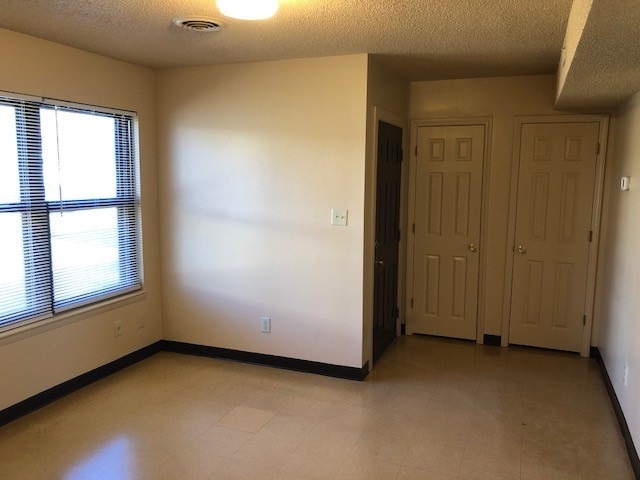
(248, 9)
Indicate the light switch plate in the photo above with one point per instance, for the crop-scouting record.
(625, 183)
(339, 216)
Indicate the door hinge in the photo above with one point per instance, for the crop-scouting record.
(412, 303)
(590, 236)
(598, 149)
(584, 320)
(413, 228)
(416, 151)
(399, 235)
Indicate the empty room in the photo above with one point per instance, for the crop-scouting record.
(295, 239)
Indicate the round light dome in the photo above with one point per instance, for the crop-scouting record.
(248, 9)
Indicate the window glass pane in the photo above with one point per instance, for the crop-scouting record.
(54, 256)
(12, 278)
(84, 249)
(9, 184)
(78, 151)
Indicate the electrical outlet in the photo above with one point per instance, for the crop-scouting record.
(117, 328)
(140, 320)
(626, 375)
(339, 216)
(265, 323)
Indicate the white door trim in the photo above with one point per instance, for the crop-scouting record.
(603, 120)
(487, 123)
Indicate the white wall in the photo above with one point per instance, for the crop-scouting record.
(387, 96)
(37, 359)
(253, 159)
(503, 99)
(619, 302)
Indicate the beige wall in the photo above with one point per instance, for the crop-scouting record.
(386, 101)
(35, 360)
(253, 159)
(619, 302)
(502, 99)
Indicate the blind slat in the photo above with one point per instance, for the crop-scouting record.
(69, 208)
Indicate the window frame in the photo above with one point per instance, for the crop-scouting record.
(35, 210)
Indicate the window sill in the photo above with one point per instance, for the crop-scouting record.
(71, 316)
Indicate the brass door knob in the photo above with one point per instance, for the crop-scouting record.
(472, 248)
(521, 249)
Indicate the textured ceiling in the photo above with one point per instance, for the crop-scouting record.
(605, 69)
(421, 39)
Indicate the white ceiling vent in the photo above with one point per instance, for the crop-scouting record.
(199, 24)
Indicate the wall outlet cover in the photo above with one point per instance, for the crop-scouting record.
(117, 328)
(625, 378)
(339, 216)
(265, 324)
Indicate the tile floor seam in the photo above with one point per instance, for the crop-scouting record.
(413, 438)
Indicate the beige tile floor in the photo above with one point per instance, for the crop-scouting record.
(432, 409)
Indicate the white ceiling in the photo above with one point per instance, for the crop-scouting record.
(421, 39)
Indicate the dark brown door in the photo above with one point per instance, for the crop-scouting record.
(385, 289)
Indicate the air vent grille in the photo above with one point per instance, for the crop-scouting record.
(198, 24)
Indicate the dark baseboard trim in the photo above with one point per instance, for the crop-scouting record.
(41, 399)
(624, 428)
(52, 394)
(494, 340)
(308, 366)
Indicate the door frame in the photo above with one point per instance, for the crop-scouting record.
(371, 184)
(596, 210)
(487, 123)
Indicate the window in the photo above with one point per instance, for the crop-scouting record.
(69, 208)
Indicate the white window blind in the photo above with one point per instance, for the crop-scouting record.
(69, 208)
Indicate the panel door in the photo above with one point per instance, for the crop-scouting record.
(447, 230)
(553, 222)
(385, 288)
